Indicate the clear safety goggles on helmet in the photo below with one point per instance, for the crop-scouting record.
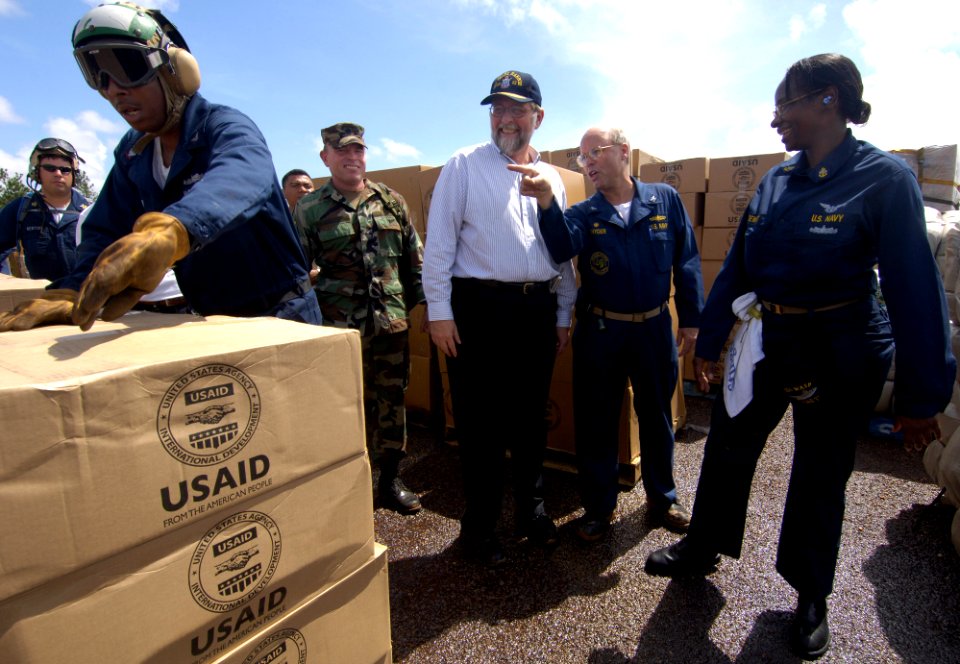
(129, 65)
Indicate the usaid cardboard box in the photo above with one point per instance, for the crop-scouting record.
(710, 269)
(567, 160)
(638, 158)
(693, 203)
(127, 432)
(724, 209)
(716, 243)
(741, 173)
(405, 180)
(193, 593)
(327, 627)
(575, 184)
(685, 175)
(13, 291)
(427, 181)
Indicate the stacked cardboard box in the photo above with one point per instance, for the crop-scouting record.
(14, 290)
(179, 486)
(690, 178)
(732, 183)
(567, 160)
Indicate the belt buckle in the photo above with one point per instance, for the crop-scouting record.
(528, 287)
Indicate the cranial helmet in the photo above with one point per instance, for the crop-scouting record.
(50, 147)
(131, 45)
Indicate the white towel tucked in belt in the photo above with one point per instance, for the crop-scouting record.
(745, 351)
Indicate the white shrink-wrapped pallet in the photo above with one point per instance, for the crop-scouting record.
(940, 174)
(932, 460)
(949, 469)
(949, 419)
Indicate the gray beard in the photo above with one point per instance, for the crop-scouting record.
(511, 144)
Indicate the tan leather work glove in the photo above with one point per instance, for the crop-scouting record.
(54, 308)
(131, 267)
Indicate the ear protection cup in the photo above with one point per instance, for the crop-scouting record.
(186, 72)
(827, 99)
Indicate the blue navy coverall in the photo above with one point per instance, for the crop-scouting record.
(245, 257)
(810, 239)
(49, 247)
(626, 268)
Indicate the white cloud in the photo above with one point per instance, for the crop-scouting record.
(670, 89)
(162, 5)
(697, 78)
(396, 151)
(7, 114)
(11, 8)
(910, 62)
(92, 135)
(803, 25)
(549, 13)
(390, 150)
(11, 163)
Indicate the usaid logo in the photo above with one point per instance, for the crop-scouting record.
(208, 415)
(286, 645)
(234, 561)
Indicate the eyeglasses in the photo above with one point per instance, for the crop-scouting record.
(129, 65)
(780, 109)
(50, 168)
(592, 154)
(514, 112)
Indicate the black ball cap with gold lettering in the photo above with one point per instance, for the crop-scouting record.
(342, 134)
(515, 85)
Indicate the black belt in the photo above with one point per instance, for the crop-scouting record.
(162, 306)
(629, 318)
(785, 309)
(524, 287)
(301, 288)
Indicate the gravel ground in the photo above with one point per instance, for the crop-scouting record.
(895, 597)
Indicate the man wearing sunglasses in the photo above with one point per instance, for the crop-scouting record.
(41, 226)
(631, 237)
(193, 187)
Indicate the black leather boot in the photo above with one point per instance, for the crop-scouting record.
(393, 492)
(810, 633)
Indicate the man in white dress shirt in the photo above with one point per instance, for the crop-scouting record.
(500, 309)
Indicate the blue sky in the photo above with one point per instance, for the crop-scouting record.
(685, 79)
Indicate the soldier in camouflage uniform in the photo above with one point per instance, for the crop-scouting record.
(369, 260)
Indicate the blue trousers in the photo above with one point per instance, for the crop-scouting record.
(604, 357)
(838, 360)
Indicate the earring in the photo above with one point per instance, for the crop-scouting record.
(828, 99)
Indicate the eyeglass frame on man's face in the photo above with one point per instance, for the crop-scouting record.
(779, 109)
(51, 168)
(594, 154)
(515, 112)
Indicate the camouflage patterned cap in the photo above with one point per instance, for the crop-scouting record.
(342, 134)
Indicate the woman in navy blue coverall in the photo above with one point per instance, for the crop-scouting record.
(807, 246)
